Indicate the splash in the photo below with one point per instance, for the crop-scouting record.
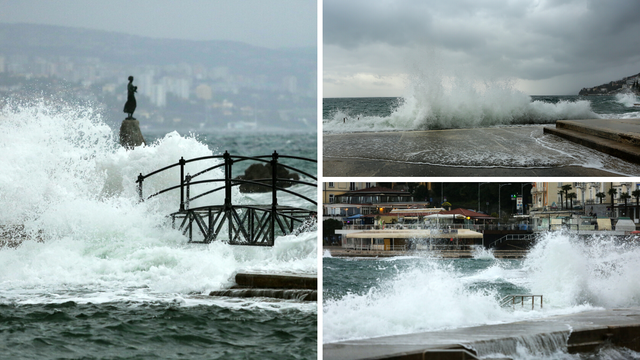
(428, 297)
(439, 100)
(572, 274)
(569, 271)
(87, 238)
(627, 99)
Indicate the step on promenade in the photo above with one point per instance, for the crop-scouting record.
(303, 287)
(511, 151)
(616, 137)
(576, 333)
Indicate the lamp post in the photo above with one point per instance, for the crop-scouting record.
(499, 202)
(522, 185)
(479, 184)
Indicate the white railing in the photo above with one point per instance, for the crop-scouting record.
(511, 299)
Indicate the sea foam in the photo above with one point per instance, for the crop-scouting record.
(88, 238)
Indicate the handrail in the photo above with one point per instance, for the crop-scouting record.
(186, 181)
(512, 299)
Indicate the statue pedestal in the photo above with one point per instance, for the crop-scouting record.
(130, 134)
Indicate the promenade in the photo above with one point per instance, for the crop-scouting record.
(509, 151)
(580, 332)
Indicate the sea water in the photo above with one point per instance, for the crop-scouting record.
(512, 129)
(365, 298)
(98, 274)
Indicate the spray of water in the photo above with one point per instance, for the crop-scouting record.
(437, 98)
(572, 274)
(87, 237)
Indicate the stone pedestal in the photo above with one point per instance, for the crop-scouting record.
(130, 134)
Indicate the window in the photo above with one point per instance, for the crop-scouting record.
(352, 186)
(330, 185)
(368, 185)
(331, 199)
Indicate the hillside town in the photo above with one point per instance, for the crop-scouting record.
(627, 84)
(386, 218)
(223, 90)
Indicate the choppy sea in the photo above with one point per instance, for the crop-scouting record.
(469, 109)
(366, 298)
(98, 275)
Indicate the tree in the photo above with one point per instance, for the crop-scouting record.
(330, 226)
(636, 194)
(601, 196)
(613, 191)
(419, 193)
(566, 189)
(572, 196)
(625, 196)
(561, 202)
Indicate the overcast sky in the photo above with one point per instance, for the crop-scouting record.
(374, 48)
(267, 23)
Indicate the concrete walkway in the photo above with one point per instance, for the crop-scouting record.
(589, 330)
(510, 151)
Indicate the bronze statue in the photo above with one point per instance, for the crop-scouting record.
(130, 105)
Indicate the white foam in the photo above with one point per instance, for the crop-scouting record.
(439, 100)
(73, 188)
(573, 275)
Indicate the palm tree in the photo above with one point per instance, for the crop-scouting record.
(601, 196)
(561, 203)
(624, 196)
(636, 194)
(566, 189)
(572, 196)
(613, 192)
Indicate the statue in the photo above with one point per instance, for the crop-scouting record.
(130, 105)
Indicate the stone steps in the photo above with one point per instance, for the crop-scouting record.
(616, 137)
(278, 286)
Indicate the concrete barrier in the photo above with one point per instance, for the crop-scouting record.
(575, 333)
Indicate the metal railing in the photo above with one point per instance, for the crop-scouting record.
(511, 299)
(256, 224)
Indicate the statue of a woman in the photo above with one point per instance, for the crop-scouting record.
(130, 105)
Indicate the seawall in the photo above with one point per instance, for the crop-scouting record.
(575, 333)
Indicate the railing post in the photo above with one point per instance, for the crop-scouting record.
(187, 179)
(274, 193)
(182, 162)
(228, 161)
(140, 180)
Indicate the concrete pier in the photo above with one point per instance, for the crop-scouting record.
(582, 332)
(512, 151)
(617, 137)
(280, 286)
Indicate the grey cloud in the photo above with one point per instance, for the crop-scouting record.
(528, 40)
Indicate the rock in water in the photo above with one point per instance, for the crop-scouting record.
(130, 134)
(262, 174)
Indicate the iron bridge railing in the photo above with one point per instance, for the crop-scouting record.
(255, 224)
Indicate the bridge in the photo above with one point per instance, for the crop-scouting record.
(237, 224)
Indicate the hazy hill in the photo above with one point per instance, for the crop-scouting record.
(41, 40)
(610, 88)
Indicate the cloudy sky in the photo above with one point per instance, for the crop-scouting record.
(273, 23)
(377, 48)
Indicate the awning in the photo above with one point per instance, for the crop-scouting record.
(604, 224)
(415, 234)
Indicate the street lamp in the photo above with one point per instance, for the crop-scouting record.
(499, 206)
(522, 185)
(479, 184)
